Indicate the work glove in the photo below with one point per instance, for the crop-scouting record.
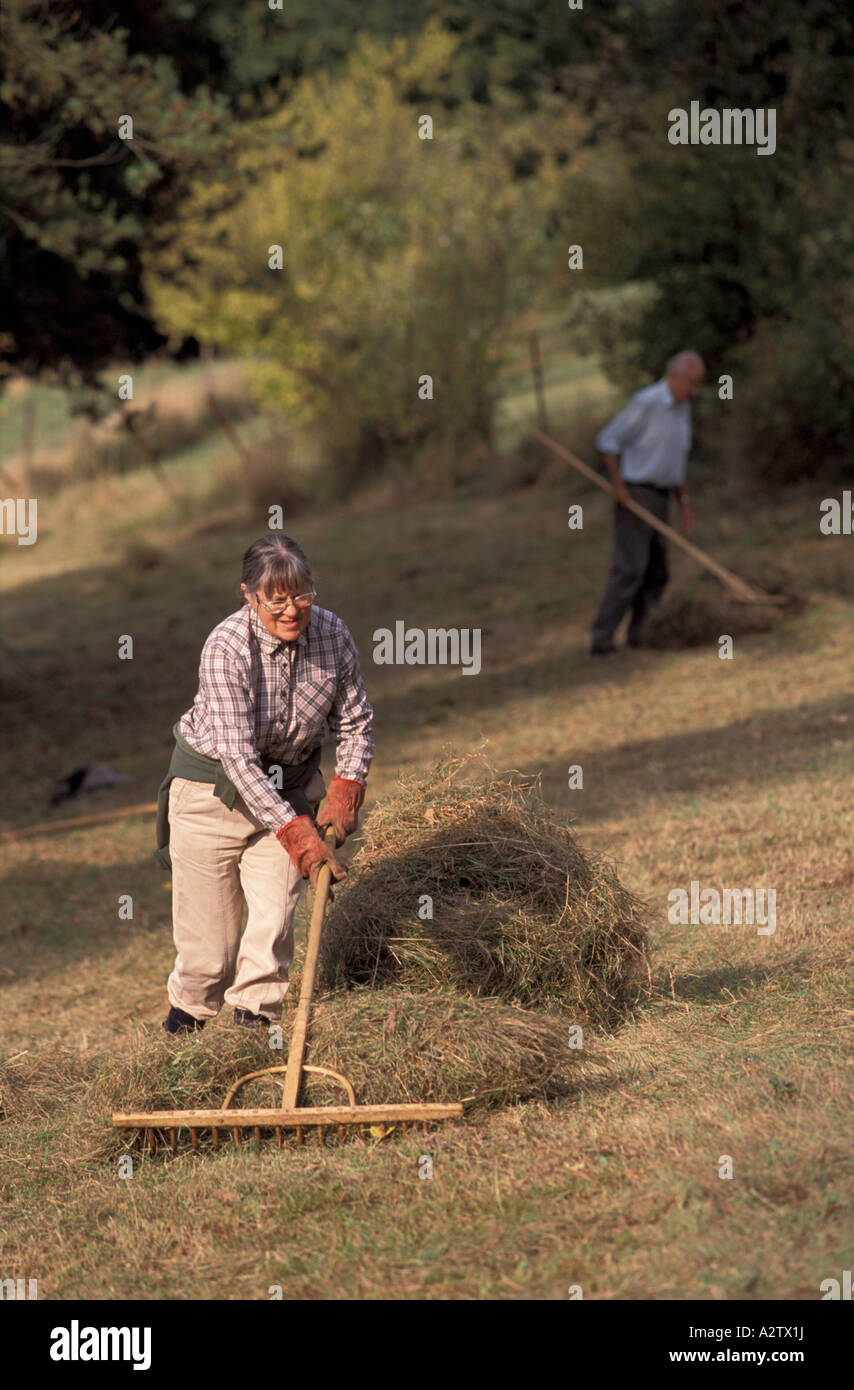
(342, 808)
(307, 850)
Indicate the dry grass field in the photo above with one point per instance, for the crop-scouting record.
(731, 773)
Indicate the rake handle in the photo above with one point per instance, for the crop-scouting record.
(296, 1052)
(737, 587)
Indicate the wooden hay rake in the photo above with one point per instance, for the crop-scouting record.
(290, 1116)
(738, 589)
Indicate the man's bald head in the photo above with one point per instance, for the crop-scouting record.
(684, 374)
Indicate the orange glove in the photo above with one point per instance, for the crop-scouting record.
(307, 851)
(342, 807)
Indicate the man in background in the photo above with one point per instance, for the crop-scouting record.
(645, 448)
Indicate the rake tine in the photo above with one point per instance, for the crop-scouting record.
(279, 1138)
(161, 1127)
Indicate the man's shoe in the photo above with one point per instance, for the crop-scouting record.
(599, 649)
(246, 1017)
(634, 642)
(176, 1021)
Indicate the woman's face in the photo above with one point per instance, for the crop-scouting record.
(293, 620)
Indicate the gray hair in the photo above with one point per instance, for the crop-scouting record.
(276, 563)
(681, 363)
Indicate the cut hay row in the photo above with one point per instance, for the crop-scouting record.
(393, 1047)
(519, 911)
(696, 611)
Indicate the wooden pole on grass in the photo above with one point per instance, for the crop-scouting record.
(73, 822)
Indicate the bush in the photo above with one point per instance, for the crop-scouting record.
(400, 260)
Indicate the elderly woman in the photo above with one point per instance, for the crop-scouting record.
(237, 811)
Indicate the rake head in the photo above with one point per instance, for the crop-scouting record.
(364, 1121)
(742, 592)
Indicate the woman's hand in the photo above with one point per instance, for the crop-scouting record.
(342, 808)
(307, 850)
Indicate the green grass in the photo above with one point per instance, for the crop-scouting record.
(734, 773)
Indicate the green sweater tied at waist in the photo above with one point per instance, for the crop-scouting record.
(196, 767)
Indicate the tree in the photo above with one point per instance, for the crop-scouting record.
(80, 202)
(749, 259)
(400, 256)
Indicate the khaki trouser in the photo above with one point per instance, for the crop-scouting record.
(220, 857)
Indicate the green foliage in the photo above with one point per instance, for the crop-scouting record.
(748, 259)
(401, 257)
(514, 46)
(78, 200)
(608, 319)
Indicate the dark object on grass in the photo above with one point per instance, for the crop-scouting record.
(91, 778)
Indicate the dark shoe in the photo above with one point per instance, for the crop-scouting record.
(246, 1016)
(598, 649)
(176, 1021)
(634, 642)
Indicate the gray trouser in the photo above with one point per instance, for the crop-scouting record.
(639, 570)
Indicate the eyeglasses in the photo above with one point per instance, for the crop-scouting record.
(297, 600)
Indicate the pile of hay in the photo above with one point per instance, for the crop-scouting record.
(696, 611)
(519, 912)
(186, 1073)
(398, 1046)
(392, 1046)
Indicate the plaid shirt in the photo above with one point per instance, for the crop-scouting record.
(260, 696)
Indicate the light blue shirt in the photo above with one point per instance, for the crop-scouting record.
(652, 435)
